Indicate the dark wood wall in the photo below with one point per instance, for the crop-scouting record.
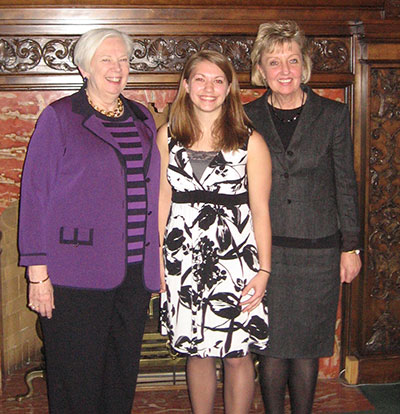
(357, 47)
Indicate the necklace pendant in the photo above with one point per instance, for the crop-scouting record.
(294, 117)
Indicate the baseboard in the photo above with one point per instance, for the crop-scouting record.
(378, 369)
(351, 369)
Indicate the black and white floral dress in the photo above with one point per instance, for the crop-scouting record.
(210, 255)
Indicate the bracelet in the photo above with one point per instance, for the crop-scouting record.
(357, 251)
(263, 270)
(40, 281)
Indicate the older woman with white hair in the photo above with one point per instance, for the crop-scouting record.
(88, 231)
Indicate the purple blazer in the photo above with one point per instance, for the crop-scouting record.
(73, 197)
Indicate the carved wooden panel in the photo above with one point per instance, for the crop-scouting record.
(392, 8)
(152, 54)
(383, 271)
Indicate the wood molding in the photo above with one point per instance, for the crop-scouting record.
(392, 8)
(359, 4)
(178, 20)
(378, 369)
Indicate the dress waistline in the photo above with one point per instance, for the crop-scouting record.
(207, 197)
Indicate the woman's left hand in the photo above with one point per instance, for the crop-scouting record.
(258, 284)
(41, 297)
(350, 266)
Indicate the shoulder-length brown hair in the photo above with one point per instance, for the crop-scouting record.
(231, 129)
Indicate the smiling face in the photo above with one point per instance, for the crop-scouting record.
(109, 70)
(282, 69)
(207, 87)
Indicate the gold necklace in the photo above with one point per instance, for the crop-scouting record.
(116, 113)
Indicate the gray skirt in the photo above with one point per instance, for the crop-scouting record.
(302, 298)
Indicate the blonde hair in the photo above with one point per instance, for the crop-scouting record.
(273, 34)
(231, 129)
(88, 43)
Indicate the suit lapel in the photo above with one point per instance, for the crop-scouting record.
(143, 129)
(90, 121)
(95, 126)
(268, 130)
(309, 113)
(144, 132)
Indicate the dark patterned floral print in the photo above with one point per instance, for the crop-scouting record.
(210, 255)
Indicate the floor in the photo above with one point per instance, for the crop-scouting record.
(331, 397)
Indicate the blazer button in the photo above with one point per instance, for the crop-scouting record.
(289, 201)
(147, 180)
(147, 244)
(290, 153)
(149, 213)
(286, 175)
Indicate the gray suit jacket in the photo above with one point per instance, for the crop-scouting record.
(314, 191)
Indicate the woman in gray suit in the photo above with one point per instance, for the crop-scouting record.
(314, 214)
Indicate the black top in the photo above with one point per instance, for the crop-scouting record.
(284, 128)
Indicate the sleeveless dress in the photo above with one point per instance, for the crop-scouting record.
(210, 255)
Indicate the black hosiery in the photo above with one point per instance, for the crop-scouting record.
(274, 374)
(303, 375)
(299, 373)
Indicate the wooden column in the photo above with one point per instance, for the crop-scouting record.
(373, 304)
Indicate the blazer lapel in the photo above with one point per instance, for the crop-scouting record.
(143, 129)
(90, 121)
(146, 138)
(310, 112)
(269, 132)
(95, 125)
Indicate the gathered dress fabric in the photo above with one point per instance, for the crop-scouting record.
(210, 255)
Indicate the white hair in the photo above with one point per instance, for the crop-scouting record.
(88, 43)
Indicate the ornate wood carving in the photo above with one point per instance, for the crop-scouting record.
(384, 210)
(392, 8)
(19, 55)
(170, 54)
(157, 54)
(330, 56)
(386, 336)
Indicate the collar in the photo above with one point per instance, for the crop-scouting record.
(80, 105)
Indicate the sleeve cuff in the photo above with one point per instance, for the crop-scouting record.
(33, 259)
(350, 242)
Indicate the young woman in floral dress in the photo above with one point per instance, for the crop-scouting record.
(215, 233)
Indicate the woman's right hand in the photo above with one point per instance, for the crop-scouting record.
(41, 298)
